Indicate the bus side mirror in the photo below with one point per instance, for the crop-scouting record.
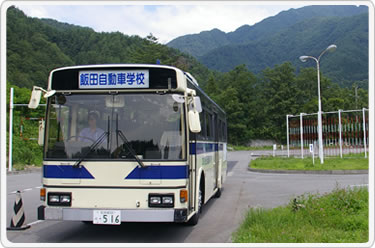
(194, 122)
(198, 104)
(194, 109)
(35, 98)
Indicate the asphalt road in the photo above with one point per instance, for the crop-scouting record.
(220, 217)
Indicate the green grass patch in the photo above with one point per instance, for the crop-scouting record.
(281, 163)
(338, 217)
(250, 148)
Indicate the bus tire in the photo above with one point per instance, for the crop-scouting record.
(218, 193)
(194, 220)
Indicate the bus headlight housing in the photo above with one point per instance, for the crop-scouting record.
(167, 200)
(161, 200)
(54, 198)
(155, 200)
(65, 199)
(59, 199)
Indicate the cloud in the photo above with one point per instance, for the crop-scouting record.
(165, 21)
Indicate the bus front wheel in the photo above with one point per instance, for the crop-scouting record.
(194, 220)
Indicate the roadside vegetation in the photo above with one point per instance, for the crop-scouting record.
(337, 217)
(249, 148)
(348, 162)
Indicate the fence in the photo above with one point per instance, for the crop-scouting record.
(344, 132)
(22, 127)
(11, 107)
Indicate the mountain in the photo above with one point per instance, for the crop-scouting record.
(349, 62)
(199, 44)
(285, 37)
(36, 46)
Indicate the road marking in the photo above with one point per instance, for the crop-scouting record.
(24, 190)
(35, 222)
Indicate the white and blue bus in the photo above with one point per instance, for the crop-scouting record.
(129, 143)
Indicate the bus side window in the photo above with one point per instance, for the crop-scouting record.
(202, 117)
(208, 126)
(225, 132)
(220, 130)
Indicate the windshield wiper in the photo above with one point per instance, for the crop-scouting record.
(127, 144)
(92, 147)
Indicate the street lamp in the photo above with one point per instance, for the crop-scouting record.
(330, 48)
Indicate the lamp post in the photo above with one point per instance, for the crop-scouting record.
(330, 48)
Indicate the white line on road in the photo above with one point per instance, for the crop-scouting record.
(35, 222)
(24, 190)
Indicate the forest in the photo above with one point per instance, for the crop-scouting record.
(256, 104)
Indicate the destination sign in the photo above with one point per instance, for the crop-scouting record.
(116, 79)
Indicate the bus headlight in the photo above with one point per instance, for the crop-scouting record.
(65, 198)
(59, 199)
(161, 200)
(167, 200)
(155, 200)
(54, 198)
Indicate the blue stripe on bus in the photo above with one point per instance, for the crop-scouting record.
(66, 171)
(201, 148)
(159, 172)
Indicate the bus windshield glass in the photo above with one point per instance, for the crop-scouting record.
(151, 124)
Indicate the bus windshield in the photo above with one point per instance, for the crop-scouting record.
(151, 124)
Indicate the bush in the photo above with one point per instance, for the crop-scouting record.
(338, 217)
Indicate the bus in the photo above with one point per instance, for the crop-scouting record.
(129, 143)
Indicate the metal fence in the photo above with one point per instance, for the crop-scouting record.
(344, 132)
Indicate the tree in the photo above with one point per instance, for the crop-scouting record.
(279, 94)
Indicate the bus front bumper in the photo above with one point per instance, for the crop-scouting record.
(127, 215)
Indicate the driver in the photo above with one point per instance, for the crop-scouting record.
(91, 133)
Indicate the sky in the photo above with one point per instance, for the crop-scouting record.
(166, 21)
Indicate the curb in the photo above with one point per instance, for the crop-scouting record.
(316, 172)
(25, 171)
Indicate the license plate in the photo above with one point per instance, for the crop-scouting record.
(107, 217)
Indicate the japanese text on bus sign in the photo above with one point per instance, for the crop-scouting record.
(113, 79)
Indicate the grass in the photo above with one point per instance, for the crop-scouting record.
(250, 148)
(20, 167)
(338, 217)
(281, 163)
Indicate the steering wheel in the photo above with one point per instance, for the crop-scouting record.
(83, 137)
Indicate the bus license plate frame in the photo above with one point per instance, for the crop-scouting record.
(107, 217)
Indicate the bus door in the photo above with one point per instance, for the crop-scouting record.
(216, 149)
(192, 170)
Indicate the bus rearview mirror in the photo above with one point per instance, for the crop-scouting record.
(194, 122)
(35, 99)
(198, 104)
